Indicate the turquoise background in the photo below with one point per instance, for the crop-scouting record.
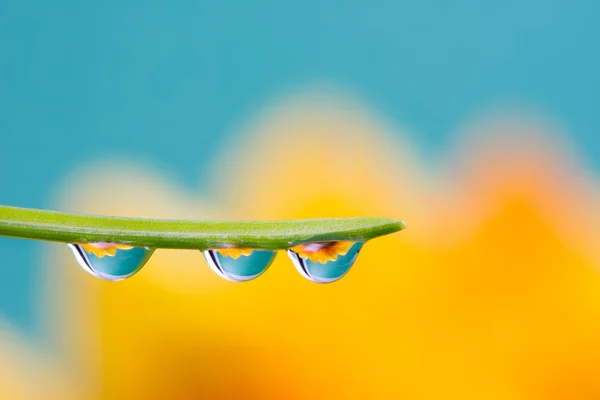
(166, 82)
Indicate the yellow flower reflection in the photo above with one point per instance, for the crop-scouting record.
(234, 253)
(322, 251)
(101, 249)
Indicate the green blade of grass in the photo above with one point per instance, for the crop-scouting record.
(185, 234)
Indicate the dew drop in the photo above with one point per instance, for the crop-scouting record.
(239, 265)
(324, 262)
(110, 261)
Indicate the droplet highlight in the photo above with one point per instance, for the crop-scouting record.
(239, 265)
(324, 262)
(110, 261)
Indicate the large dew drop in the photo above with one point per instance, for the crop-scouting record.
(324, 262)
(110, 261)
(239, 265)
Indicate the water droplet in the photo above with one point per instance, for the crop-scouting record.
(324, 262)
(110, 261)
(239, 265)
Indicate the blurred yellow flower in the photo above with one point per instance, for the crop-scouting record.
(322, 251)
(486, 295)
(104, 249)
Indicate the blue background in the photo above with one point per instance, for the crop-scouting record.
(167, 81)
